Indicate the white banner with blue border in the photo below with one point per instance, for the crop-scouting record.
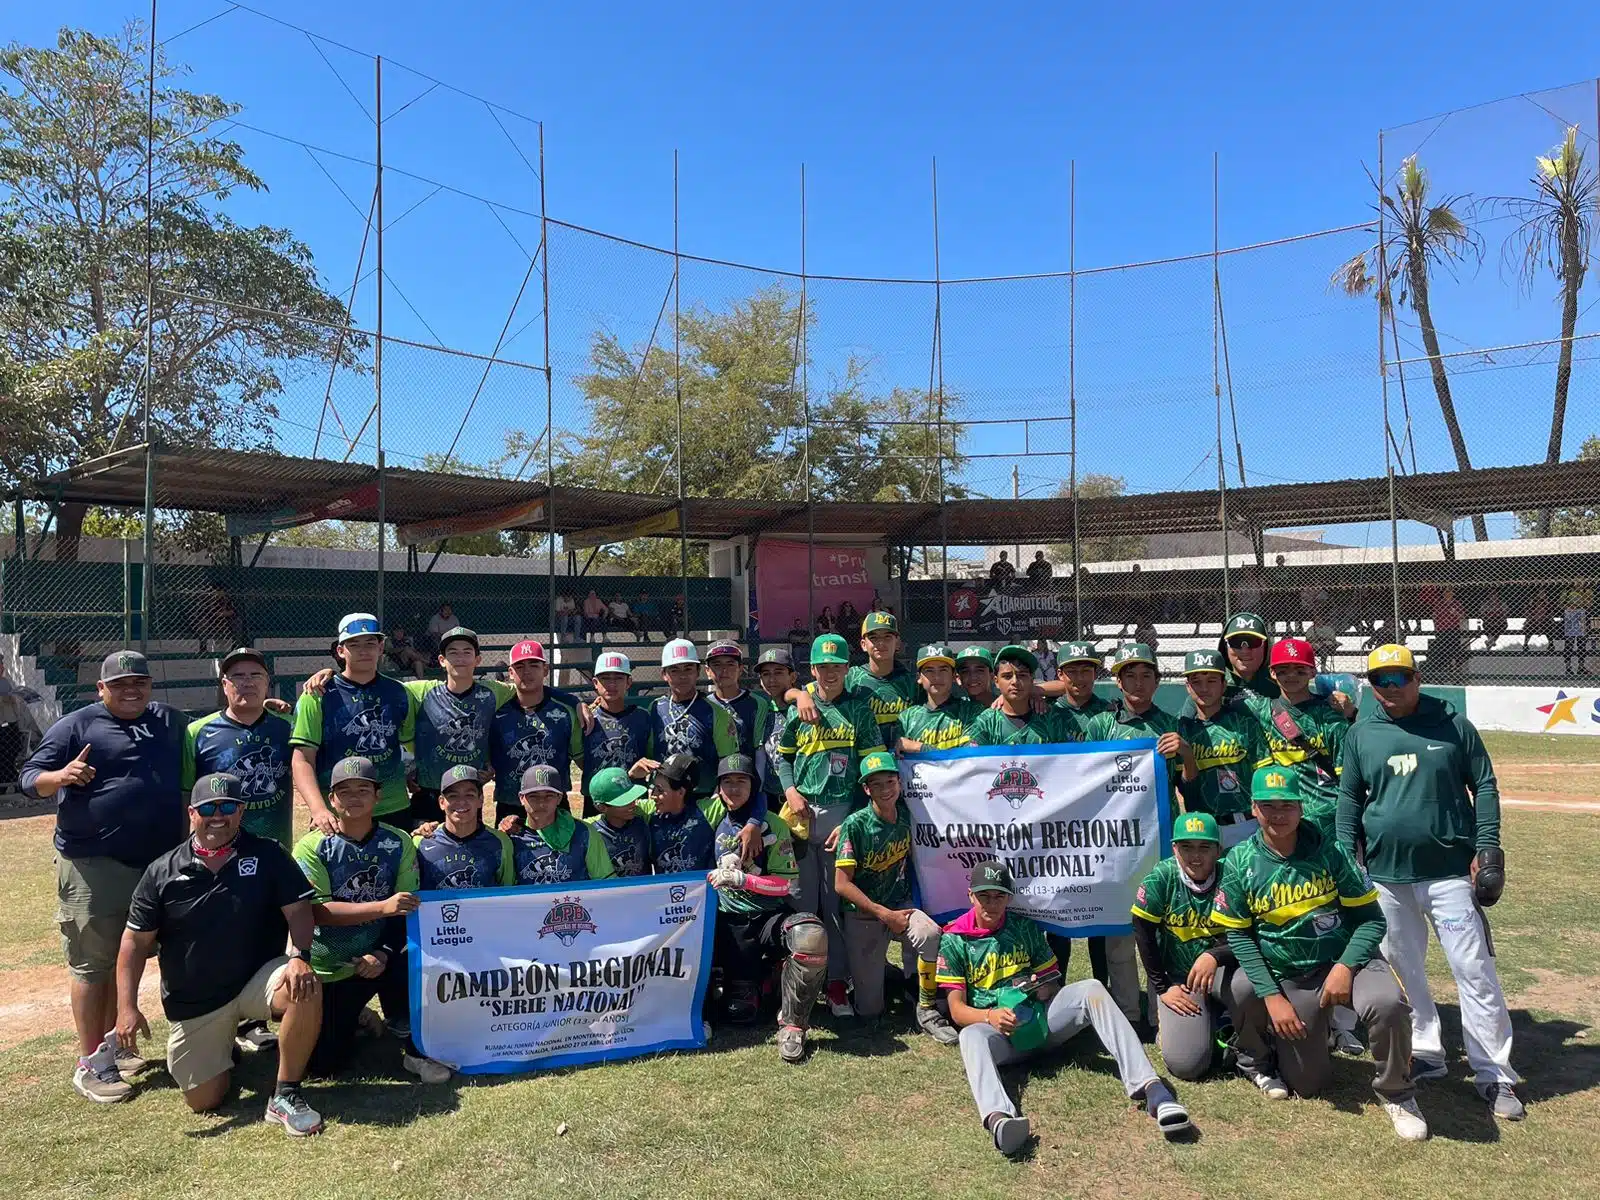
(1079, 824)
(529, 978)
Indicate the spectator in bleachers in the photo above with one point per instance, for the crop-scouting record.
(1145, 632)
(647, 617)
(620, 617)
(849, 620)
(568, 622)
(1539, 621)
(1039, 570)
(1003, 574)
(217, 621)
(594, 615)
(438, 625)
(18, 730)
(1575, 627)
(1446, 652)
(825, 621)
(1047, 660)
(1496, 620)
(799, 644)
(404, 653)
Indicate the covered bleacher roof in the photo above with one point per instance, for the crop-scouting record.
(244, 483)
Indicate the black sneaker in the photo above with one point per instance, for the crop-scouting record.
(254, 1036)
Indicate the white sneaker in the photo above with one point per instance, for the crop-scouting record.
(1407, 1120)
(1271, 1086)
(425, 1069)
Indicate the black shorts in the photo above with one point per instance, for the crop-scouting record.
(746, 945)
(342, 1002)
(424, 807)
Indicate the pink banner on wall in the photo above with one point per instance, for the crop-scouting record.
(840, 575)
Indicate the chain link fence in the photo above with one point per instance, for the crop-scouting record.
(823, 436)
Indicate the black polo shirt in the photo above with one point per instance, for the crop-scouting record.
(216, 929)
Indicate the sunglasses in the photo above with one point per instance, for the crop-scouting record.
(1389, 679)
(1244, 643)
(210, 808)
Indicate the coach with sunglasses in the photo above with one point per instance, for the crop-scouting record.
(221, 907)
(1418, 796)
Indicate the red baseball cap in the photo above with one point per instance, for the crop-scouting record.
(1293, 651)
(527, 652)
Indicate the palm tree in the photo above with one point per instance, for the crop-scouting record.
(1418, 237)
(1554, 230)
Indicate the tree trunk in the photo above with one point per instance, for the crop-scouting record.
(1441, 381)
(1572, 271)
(69, 530)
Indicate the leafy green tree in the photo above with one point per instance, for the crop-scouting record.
(1097, 549)
(1419, 238)
(744, 423)
(235, 308)
(1555, 228)
(1566, 522)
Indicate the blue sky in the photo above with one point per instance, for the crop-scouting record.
(1290, 97)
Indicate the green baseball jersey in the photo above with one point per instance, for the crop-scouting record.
(1075, 720)
(373, 720)
(776, 858)
(1227, 749)
(1184, 915)
(259, 754)
(887, 695)
(1324, 729)
(982, 961)
(1293, 907)
(824, 760)
(880, 853)
(994, 727)
(343, 870)
(942, 728)
(1120, 724)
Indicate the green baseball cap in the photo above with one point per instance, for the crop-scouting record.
(879, 762)
(1020, 655)
(1132, 652)
(1276, 785)
(1075, 652)
(1247, 625)
(976, 653)
(1196, 827)
(874, 622)
(611, 788)
(1197, 661)
(830, 648)
(934, 653)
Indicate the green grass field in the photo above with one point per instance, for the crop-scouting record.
(878, 1112)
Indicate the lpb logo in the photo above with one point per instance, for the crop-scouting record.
(1014, 784)
(566, 919)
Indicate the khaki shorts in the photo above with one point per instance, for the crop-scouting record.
(201, 1048)
(92, 896)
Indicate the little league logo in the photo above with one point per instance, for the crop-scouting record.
(566, 919)
(449, 913)
(1014, 784)
(1124, 762)
(677, 893)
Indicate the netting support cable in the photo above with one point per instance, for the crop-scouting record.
(805, 403)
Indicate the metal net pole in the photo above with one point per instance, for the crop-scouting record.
(377, 361)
